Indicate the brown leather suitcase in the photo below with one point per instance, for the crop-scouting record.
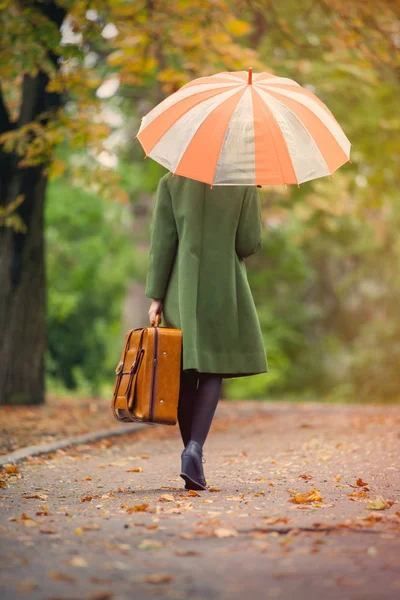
(148, 376)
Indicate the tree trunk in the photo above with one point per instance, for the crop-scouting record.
(22, 261)
(22, 296)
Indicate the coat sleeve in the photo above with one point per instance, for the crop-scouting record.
(249, 232)
(163, 245)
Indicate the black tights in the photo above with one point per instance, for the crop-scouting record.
(198, 399)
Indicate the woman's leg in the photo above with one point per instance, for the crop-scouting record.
(206, 400)
(187, 397)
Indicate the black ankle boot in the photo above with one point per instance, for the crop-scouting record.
(192, 467)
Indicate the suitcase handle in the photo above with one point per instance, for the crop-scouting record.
(157, 321)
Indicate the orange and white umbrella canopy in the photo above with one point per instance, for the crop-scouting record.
(239, 128)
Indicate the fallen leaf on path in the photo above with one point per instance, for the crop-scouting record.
(379, 503)
(213, 489)
(79, 561)
(221, 532)
(193, 493)
(359, 495)
(373, 518)
(148, 544)
(137, 508)
(186, 535)
(138, 456)
(313, 495)
(11, 469)
(61, 577)
(49, 530)
(274, 520)
(93, 527)
(337, 478)
(135, 470)
(306, 476)
(100, 580)
(35, 496)
(166, 498)
(90, 498)
(181, 552)
(157, 578)
(25, 520)
(360, 482)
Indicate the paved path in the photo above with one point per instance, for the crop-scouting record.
(84, 524)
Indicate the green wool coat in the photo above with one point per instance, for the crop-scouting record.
(199, 237)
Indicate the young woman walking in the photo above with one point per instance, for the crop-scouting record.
(197, 281)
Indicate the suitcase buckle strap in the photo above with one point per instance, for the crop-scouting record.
(136, 362)
(119, 367)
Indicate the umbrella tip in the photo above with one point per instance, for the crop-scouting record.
(250, 78)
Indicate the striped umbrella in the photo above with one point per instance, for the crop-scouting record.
(239, 128)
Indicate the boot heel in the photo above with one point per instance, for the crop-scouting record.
(188, 473)
(187, 465)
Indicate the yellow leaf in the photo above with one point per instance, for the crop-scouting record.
(158, 578)
(379, 503)
(237, 27)
(11, 469)
(137, 508)
(166, 498)
(135, 470)
(313, 495)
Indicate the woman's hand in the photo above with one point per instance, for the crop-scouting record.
(155, 309)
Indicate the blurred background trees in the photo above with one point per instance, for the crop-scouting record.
(76, 78)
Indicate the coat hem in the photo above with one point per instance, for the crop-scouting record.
(245, 364)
